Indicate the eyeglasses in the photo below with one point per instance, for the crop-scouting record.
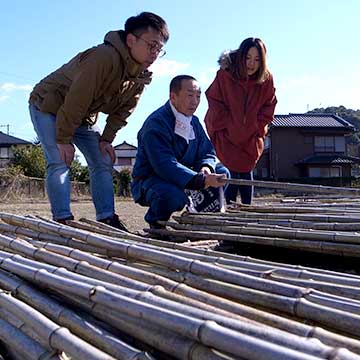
(154, 47)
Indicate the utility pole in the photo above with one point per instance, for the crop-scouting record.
(7, 128)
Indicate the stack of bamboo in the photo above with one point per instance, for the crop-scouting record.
(85, 292)
(315, 229)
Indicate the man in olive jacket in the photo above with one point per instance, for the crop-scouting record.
(107, 78)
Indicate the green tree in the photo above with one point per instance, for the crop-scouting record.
(124, 181)
(79, 172)
(30, 160)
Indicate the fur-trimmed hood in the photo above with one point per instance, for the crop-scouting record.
(227, 58)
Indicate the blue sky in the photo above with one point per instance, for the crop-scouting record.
(313, 49)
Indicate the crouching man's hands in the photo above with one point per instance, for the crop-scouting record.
(107, 148)
(214, 180)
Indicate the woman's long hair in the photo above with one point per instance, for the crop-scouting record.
(238, 64)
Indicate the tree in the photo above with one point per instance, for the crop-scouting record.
(124, 181)
(79, 172)
(31, 162)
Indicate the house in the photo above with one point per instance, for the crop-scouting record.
(306, 146)
(6, 143)
(125, 156)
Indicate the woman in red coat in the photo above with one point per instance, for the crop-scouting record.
(241, 105)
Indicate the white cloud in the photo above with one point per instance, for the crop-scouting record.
(164, 67)
(3, 98)
(8, 87)
(206, 77)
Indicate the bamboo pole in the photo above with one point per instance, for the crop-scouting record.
(243, 215)
(206, 332)
(159, 338)
(90, 332)
(295, 209)
(98, 241)
(152, 278)
(58, 338)
(24, 346)
(256, 314)
(291, 342)
(282, 233)
(305, 245)
(205, 270)
(319, 189)
(203, 220)
(292, 306)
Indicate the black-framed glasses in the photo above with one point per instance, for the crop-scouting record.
(153, 46)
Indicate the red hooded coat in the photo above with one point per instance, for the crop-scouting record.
(237, 118)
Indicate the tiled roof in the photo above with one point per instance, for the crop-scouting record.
(330, 159)
(311, 120)
(125, 145)
(8, 140)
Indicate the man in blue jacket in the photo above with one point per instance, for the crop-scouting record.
(174, 154)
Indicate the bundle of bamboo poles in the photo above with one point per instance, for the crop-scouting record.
(313, 227)
(91, 293)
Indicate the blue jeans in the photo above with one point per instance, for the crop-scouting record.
(164, 198)
(58, 186)
(246, 191)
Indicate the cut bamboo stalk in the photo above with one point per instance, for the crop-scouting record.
(58, 338)
(243, 215)
(155, 336)
(291, 306)
(200, 220)
(305, 245)
(23, 345)
(141, 275)
(58, 239)
(221, 320)
(319, 189)
(64, 316)
(98, 240)
(295, 209)
(211, 333)
(337, 289)
(282, 233)
(221, 274)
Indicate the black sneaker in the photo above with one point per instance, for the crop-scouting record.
(64, 220)
(115, 222)
(157, 226)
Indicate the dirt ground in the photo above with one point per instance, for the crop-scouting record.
(131, 213)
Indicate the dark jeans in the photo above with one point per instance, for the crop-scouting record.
(246, 191)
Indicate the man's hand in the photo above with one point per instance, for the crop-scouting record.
(214, 180)
(106, 148)
(205, 170)
(67, 152)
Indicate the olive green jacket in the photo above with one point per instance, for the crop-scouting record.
(103, 78)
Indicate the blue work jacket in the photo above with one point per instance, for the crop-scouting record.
(166, 156)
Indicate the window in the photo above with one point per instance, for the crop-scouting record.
(267, 142)
(4, 153)
(124, 161)
(329, 144)
(334, 171)
(264, 173)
